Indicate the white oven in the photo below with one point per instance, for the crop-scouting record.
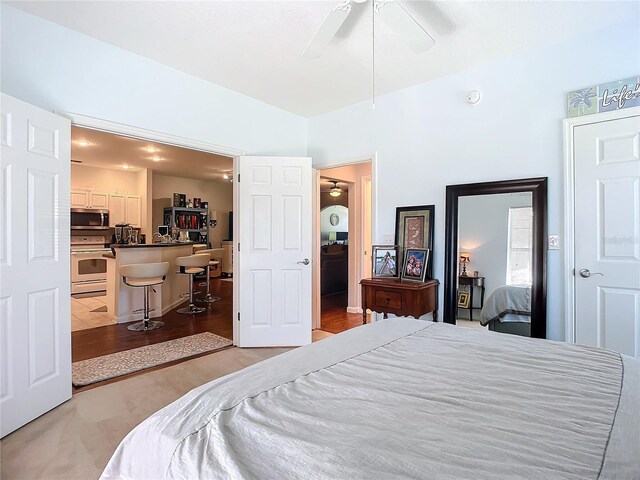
(88, 266)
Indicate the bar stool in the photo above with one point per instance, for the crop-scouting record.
(214, 251)
(217, 254)
(192, 265)
(144, 275)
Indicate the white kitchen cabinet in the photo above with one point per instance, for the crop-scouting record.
(86, 199)
(124, 209)
(99, 200)
(79, 199)
(117, 209)
(133, 210)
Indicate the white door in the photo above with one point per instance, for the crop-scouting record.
(35, 302)
(274, 250)
(607, 234)
(117, 209)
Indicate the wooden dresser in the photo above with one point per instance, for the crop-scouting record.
(400, 298)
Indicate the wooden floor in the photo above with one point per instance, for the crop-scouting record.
(94, 342)
(334, 317)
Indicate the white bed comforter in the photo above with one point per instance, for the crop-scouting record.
(508, 303)
(402, 399)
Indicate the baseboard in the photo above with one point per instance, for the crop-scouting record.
(173, 305)
(354, 310)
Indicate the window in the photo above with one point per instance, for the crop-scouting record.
(519, 246)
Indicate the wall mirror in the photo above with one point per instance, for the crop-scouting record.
(495, 256)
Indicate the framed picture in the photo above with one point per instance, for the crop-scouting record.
(414, 229)
(463, 299)
(385, 260)
(415, 264)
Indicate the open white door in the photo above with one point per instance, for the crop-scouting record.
(35, 317)
(274, 251)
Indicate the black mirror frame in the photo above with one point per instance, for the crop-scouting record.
(538, 189)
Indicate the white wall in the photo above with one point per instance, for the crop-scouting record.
(483, 231)
(427, 136)
(325, 221)
(104, 180)
(218, 194)
(59, 69)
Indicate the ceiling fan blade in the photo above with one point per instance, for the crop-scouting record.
(404, 25)
(327, 30)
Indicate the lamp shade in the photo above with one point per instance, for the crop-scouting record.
(333, 236)
(465, 257)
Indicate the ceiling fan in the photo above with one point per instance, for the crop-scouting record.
(390, 11)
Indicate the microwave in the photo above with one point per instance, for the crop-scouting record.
(89, 219)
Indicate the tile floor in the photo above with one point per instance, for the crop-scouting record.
(83, 314)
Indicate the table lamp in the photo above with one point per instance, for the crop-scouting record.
(333, 236)
(464, 259)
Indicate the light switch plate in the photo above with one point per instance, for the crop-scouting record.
(388, 239)
(554, 242)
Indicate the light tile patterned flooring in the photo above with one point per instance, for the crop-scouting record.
(83, 315)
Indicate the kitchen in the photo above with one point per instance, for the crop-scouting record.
(122, 194)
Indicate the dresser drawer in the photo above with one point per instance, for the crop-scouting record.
(388, 299)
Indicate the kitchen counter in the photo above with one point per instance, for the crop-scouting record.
(149, 245)
(122, 299)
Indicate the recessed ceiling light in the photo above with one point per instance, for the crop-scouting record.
(151, 149)
(157, 158)
(125, 166)
(83, 143)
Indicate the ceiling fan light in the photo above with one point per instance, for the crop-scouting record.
(335, 190)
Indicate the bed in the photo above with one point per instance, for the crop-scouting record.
(402, 399)
(508, 310)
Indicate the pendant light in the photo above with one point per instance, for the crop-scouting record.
(335, 190)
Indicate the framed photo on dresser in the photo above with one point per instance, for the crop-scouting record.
(414, 229)
(385, 261)
(415, 263)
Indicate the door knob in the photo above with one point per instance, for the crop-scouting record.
(305, 261)
(585, 273)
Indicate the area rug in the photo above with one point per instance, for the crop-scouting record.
(114, 365)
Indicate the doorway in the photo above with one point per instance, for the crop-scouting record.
(343, 235)
(140, 188)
